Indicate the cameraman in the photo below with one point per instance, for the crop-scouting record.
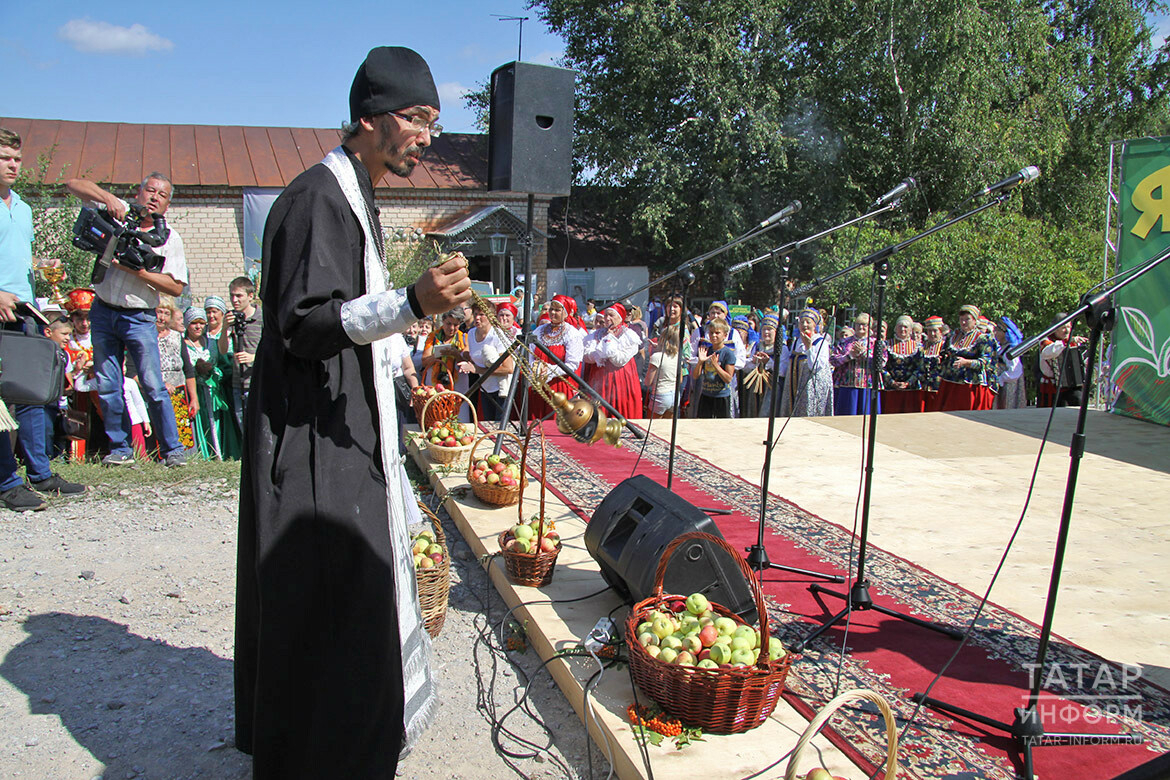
(122, 318)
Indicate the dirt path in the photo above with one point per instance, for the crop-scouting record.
(116, 644)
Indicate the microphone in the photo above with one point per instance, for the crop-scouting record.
(783, 213)
(1031, 173)
(903, 187)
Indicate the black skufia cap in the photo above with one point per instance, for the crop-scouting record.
(391, 78)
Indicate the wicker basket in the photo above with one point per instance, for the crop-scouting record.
(449, 455)
(721, 701)
(438, 411)
(497, 494)
(434, 585)
(822, 717)
(533, 569)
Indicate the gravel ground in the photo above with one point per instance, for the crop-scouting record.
(116, 615)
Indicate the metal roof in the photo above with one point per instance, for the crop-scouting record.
(223, 155)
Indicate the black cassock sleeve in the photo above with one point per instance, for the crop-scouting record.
(310, 241)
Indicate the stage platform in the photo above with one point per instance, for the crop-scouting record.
(948, 490)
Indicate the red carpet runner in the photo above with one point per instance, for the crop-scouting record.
(890, 656)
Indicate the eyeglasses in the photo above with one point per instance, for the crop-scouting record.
(420, 123)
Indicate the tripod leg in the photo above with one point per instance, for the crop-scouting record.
(953, 633)
(799, 645)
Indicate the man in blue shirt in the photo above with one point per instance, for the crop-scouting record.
(16, 286)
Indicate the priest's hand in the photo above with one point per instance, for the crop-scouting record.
(443, 287)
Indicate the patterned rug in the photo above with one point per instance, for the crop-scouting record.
(1083, 693)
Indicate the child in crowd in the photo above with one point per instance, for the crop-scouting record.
(139, 417)
(714, 368)
(59, 331)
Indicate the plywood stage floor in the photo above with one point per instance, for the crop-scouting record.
(948, 490)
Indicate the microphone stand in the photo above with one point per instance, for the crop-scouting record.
(686, 279)
(757, 554)
(858, 597)
(1027, 728)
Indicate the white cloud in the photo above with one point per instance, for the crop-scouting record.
(451, 93)
(104, 38)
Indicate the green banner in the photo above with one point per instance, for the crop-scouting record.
(1141, 335)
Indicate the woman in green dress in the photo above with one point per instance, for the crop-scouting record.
(219, 382)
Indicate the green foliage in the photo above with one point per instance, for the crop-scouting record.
(1001, 261)
(54, 211)
(704, 116)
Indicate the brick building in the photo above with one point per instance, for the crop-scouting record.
(217, 169)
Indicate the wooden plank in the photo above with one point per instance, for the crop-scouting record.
(308, 145)
(284, 150)
(213, 169)
(262, 156)
(97, 152)
(128, 155)
(556, 626)
(184, 158)
(156, 150)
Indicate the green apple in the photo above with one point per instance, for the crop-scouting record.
(726, 625)
(523, 531)
(744, 657)
(740, 642)
(707, 663)
(662, 627)
(671, 641)
(697, 604)
(820, 773)
(653, 650)
(644, 626)
(667, 655)
(720, 653)
(647, 638)
(748, 633)
(776, 649)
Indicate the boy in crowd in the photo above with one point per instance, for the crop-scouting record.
(715, 367)
(240, 337)
(59, 331)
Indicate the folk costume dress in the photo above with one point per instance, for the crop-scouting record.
(971, 388)
(808, 380)
(332, 660)
(929, 375)
(566, 342)
(852, 381)
(610, 369)
(200, 359)
(903, 364)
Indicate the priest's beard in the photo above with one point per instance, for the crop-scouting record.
(399, 164)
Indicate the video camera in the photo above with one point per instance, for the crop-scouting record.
(97, 230)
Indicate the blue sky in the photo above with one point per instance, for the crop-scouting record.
(248, 62)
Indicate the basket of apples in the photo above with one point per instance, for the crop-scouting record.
(530, 548)
(449, 441)
(496, 479)
(699, 661)
(816, 724)
(431, 572)
(435, 403)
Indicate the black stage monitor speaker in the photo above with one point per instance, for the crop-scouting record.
(629, 533)
(530, 129)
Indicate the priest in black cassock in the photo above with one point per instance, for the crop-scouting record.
(332, 663)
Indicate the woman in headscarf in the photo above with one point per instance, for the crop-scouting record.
(199, 357)
(808, 383)
(749, 398)
(506, 314)
(442, 350)
(930, 362)
(854, 379)
(169, 321)
(762, 359)
(1012, 394)
(900, 390)
(609, 363)
(968, 366)
(561, 336)
(219, 382)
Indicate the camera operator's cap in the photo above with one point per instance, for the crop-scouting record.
(390, 79)
(79, 299)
